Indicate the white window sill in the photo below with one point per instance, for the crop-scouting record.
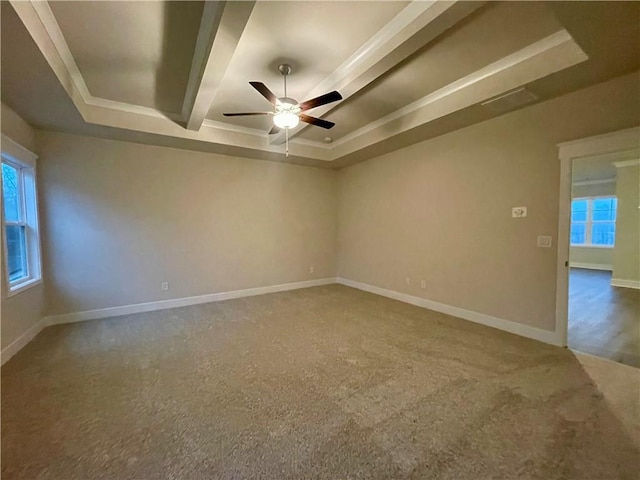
(582, 245)
(23, 286)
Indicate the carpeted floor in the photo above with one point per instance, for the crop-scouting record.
(327, 382)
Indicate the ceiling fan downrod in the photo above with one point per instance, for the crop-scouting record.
(288, 112)
(285, 69)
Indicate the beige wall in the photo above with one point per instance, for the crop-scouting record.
(22, 311)
(591, 257)
(441, 210)
(626, 255)
(120, 218)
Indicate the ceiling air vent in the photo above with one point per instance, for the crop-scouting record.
(510, 100)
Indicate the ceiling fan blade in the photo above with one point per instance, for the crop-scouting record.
(321, 100)
(264, 91)
(274, 130)
(245, 113)
(318, 122)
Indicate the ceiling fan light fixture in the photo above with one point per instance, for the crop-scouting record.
(286, 119)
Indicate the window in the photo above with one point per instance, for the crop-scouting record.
(20, 217)
(593, 221)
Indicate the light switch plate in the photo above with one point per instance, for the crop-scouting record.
(519, 212)
(544, 241)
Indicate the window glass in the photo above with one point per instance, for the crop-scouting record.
(593, 221)
(579, 205)
(603, 233)
(16, 252)
(578, 231)
(578, 216)
(21, 245)
(10, 196)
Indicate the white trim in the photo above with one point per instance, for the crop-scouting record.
(528, 331)
(50, 24)
(24, 160)
(17, 152)
(20, 342)
(619, 282)
(209, 23)
(594, 182)
(627, 163)
(622, 143)
(221, 28)
(131, 108)
(544, 57)
(310, 143)
(619, 141)
(414, 26)
(52, 28)
(591, 266)
(504, 64)
(230, 127)
(22, 286)
(181, 302)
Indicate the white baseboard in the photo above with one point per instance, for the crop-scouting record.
(619, 282)
(512, 327)
(545, 336)
(180, 302)
(591, 266)
(20, 342)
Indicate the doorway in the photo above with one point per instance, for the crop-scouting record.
(598, 302)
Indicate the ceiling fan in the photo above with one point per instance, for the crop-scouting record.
(287, 112)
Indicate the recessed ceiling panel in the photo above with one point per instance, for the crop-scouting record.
(314, 37)
(491, 33)
(133, 52)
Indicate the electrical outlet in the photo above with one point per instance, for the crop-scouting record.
(407, 281)
(311, 269)
(164, 286)
(423, 284)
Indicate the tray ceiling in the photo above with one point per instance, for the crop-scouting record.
(132, 52)
(163, 72)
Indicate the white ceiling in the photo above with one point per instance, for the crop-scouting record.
(163, 72)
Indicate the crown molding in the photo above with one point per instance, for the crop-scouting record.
(230, 127)
(311, 143)
(412, 28)
(594, 182)
(221, 27)
(544, 57)
(131, 108)
(627, 163)
(408, 31)
(621, 142)
(51, 26)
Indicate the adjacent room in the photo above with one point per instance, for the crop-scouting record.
(320, 240)
(604, 298)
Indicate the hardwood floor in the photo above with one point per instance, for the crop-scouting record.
(603, 320)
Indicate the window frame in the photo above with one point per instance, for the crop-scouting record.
(24, 161)
(589, 222)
